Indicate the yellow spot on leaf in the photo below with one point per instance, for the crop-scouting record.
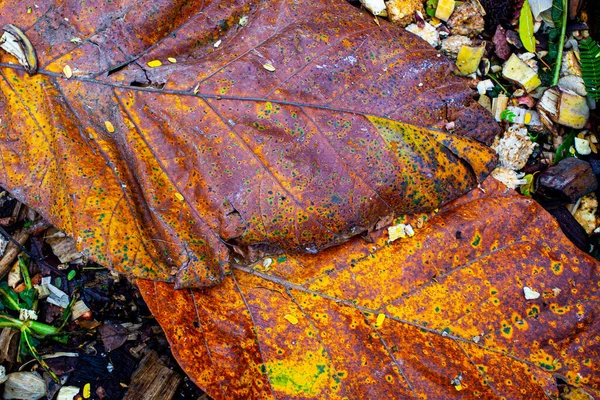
(269, 67)
(67, 71)
(300, 376)
(380, 319)
(154, 63)
(291, 319)
(109, 126)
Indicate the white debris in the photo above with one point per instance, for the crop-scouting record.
(400, 231)
(509, 178)
(582, 146)
(57, 296)
(376, 7)
(25, 314)
(451, 45)
(586, 213)
(530, 294)
(427, 33)
(514, 148)
(484, 86)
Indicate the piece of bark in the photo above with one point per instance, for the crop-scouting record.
(152, 380)
(502, 48)
(571, 228)
(12, 251)
(571, 178)
(8, 345)
(63, 246)
(13, 217)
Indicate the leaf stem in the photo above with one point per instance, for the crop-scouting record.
(561, 43)
(39, 359)
(25, 272)
(10, 301)
(495, 79)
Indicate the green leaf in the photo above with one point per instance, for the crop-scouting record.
(528, 188)
(526, 27)
(28, 297)
(590, 66)
(563, 150)
(71, 274)
(9, 297)
(508, 115)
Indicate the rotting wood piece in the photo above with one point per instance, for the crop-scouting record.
(12, 250)
(153, 380)
(8, 345)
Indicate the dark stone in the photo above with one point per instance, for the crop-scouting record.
(570, 179)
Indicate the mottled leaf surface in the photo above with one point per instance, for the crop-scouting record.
(457, 324)
(270, 126)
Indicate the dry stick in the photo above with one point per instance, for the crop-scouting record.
(13, 249)
(16, 246)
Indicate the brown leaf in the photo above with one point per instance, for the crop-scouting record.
(161, 172)
(457, 323)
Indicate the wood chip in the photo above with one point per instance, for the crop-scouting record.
(68, 71)
(269, 67)
(12, 251)
(109, 126)
(154, 63)
(152, 380)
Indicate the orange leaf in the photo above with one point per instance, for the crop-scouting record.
(170, 172)
(457, 323)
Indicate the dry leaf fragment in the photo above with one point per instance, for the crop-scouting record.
(444, 9)
(564, 107)
(67, 71)
(109, 126)
(269, 67)
(15, 42)
(154, 63)
(518, 71)
(468, 59)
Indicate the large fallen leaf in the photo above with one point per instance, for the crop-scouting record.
(163, 135)
(456, 320)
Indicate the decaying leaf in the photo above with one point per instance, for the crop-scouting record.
(453, 302)
(163, 172)
(526, 27)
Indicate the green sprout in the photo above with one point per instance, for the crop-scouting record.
(31, 331)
